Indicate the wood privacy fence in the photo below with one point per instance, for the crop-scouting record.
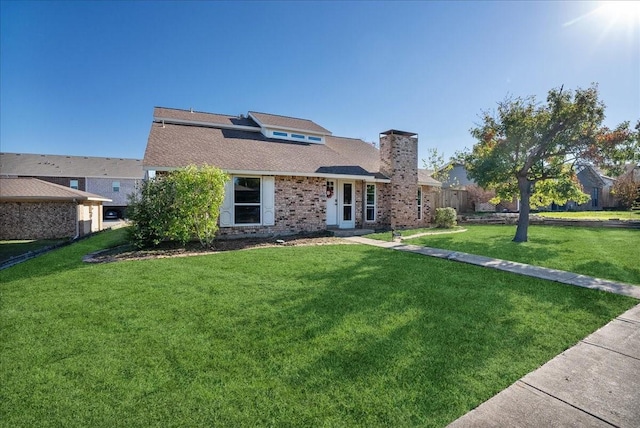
(457, 199)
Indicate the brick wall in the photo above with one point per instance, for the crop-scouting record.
(399, 162)
(300, 206)
(37, 220)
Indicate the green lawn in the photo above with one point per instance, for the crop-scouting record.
(10, 249)
(593, 215)
(600, 252)
(342, 335)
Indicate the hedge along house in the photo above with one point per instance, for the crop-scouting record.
(291, 175)
(36, 209)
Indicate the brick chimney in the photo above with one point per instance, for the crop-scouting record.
(399, 162)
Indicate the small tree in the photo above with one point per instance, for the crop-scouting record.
(529, 150)
(478, 195)
(627, 190)
(180, 206)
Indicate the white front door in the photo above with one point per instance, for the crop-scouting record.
(332, 203)
(346, 205)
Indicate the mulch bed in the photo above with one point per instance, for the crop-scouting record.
(164, 250)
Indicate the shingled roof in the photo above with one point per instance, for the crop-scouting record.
(286, 122)
(28, 164)
(173, 145)
(32, 189)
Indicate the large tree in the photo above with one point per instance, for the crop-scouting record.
(530, 150)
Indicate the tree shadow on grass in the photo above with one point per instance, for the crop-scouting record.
(600, 269)
(502, 248)
(401, 331)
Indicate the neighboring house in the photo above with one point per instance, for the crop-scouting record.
(291, 175)
(456, 177)
(595, 184)
(36, 209)
(113, 178)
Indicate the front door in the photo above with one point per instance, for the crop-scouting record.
(332, 203)
(346, 205)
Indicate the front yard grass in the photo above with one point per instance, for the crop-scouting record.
(592, 215)
(600, 252)
(9, 249)
(342, 335)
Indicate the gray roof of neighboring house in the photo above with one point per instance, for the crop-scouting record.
(173, 145)
(425, 178)
(32, 189)
(27, 164)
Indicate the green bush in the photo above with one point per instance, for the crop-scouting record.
(180, 206)
(446, 217)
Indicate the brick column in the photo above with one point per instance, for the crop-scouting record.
(399, 162)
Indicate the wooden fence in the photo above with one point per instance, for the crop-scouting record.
(457, 199)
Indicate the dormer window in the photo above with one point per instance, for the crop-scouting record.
(298, 136)
(280, 134)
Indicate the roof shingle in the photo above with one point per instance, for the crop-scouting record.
(16, 189)
(28, 164)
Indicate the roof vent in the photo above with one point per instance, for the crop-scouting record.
(191, 109)
(241, 116)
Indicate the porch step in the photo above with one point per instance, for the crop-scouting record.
(342, 233)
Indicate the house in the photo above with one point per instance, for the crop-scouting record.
(37, 209)
(113, 178)
(291, 175)
(595, 184)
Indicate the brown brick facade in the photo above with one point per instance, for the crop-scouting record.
(48, 219)
(37, 220)
(300, 206)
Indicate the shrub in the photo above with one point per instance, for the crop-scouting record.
(179, 206)
(446, 217)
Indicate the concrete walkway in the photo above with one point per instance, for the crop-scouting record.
(596, 383)
(562, 276)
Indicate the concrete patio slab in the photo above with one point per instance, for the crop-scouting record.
(632, 314)
(595, 380)
(523, 406)
(620, 336)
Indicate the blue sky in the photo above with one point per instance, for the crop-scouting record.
(82, 78)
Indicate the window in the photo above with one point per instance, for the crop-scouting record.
(115, 186)
(73, 184)
(371, 203)
(297, 136)
(314, 138)
(594, 197)
(246, 200)
(419, 202)
(280, 134)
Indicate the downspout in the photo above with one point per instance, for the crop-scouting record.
(77, 220)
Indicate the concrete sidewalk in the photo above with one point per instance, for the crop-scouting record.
(596, 383)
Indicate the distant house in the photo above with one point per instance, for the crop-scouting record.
(36, 209)
(291, 175)
(595, 184)
(113, 178)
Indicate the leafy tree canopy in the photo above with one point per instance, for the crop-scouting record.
(530, 150)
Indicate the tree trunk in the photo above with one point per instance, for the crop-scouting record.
(522, 231)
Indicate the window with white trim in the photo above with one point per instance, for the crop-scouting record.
(370, 203)
(419, 202)
(115, 186)
(73, 184)
(246, 200)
